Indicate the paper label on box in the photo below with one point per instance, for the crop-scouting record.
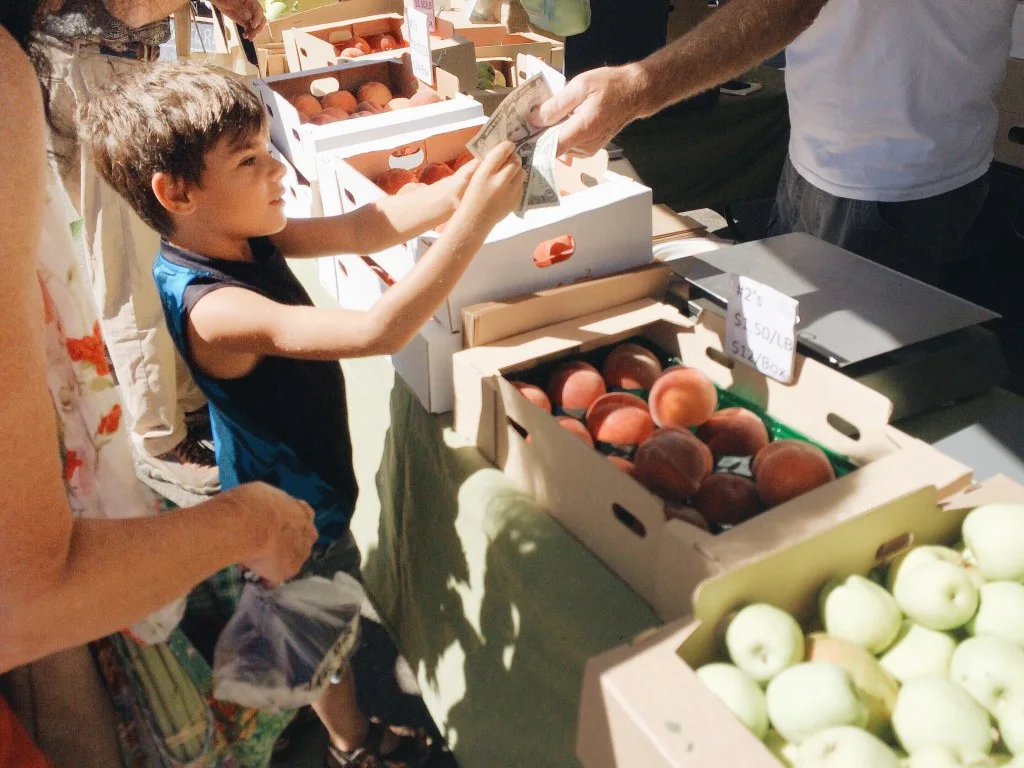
(761, 328)
(426, 7)
(419, 45)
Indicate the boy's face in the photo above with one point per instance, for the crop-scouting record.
(240, 194)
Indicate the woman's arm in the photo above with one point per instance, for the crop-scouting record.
(64, 581)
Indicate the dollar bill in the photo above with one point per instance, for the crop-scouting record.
(541, 187)
(511, 120)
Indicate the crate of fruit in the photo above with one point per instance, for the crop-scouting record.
(377, 38)
(670, 461)
(891, 639)
(347, 104)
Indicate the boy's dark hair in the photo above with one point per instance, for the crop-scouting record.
(164, 118)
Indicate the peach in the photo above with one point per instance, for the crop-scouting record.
(388, 43)
(791, 469)
(734, 432)
(764, 453)
(336, 112)
(394, 179)
(368, 106)
(349, 53)
(630, 366)
(306, 104)
(682, 397)
(574, 386)
(625, 465)
(399, 103)
(361, 44)
(687, 515)
(378, 93)
(620, 419)
(423, 97)
(411, 187)
(534, 394)
(339, 100)
(325, 117)
(362, 114)
(727, 499)
(433, 172)
(461, 160)
(673, 463)
(574, 426)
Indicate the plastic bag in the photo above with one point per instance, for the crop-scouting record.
(562, 17)
(282, 646)
(483, 11)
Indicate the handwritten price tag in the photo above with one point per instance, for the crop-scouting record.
(427, 7)
(761, 328)
(419, 45)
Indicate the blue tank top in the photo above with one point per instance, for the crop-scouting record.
(286, 421)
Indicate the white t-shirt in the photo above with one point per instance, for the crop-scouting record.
(894, 100)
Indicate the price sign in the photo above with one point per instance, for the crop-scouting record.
(419, 45)
(426, 7)
(761, 328)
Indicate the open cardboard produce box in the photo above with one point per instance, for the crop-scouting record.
(318, 46)
(612, 514)
(301, 197)
(303, 143)
(642, 704)
(491, 98)
(607, 215)
(494, 40)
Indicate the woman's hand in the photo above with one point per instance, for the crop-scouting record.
(287, 524)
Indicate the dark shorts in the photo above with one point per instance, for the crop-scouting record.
(916, 237)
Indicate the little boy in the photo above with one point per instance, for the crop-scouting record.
(188, 148)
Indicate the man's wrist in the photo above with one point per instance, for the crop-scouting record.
(639, 84)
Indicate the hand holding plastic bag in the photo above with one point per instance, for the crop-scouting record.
(282, 646)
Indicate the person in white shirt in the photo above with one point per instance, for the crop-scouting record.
(892, 108)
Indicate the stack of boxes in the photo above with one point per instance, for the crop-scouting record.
(1010, 136)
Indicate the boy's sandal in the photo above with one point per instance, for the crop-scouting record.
(413, 750)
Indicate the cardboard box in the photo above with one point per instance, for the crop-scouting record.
(619, 520)
(425, 363)
(1009, 146)
(301, 197)
(334, 12)
(303, 143)
(491, 98)
(1011, 95)
(643, 705)
(608, 216)
(1017, 30)
(495, 41)
(314, 47)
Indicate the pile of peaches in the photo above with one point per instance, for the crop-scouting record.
(371, 98)
(395, 181)
(363, 46)
(662, 426)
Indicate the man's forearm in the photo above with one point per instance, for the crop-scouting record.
(741, 34)
(138, 13)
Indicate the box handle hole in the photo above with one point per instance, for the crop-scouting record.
(341, 267)
(295, 133)
(588, 180)
(554, 251)
(269, 111)
(409, 157)
(893, 547)
(629, 520)
(519, 428)
(350, 197)
(718, 356)
(842, 426)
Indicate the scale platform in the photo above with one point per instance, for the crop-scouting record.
(919, 346)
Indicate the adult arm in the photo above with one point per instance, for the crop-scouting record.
(138, 13)
(373, 227)
(64, 581)
(737, 36)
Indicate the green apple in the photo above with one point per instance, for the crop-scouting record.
(779, 747)
(859, 610)
(933, 587)
(928, 553)
(995, 535)
(844, 747)
(810, 697)
(990, 668)
(763, 640)
(944, 757)
(1011, 724)
(277, 9)
(1000, 611)
(932, 711)
(739, 693)
(874, 685)
(918, 651)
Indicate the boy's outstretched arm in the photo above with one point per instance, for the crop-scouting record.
(377, 225)
(231, 329)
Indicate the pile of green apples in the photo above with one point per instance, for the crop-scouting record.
(918, 665)
(488, 78)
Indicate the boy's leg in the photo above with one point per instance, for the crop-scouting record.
(118, 252)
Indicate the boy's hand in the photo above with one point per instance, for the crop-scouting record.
(288, 532)
(496, 186)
